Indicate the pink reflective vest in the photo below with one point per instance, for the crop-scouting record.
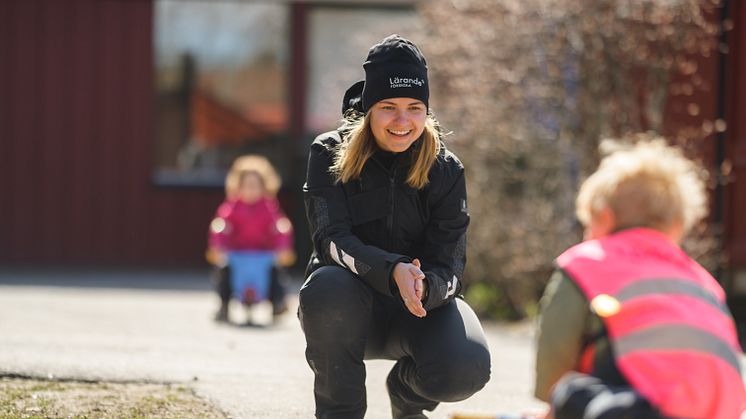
(671, 333)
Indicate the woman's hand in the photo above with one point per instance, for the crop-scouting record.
(411, 282)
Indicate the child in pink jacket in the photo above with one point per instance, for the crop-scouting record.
(250, 219)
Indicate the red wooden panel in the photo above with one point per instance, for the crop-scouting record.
(52, 121)
(735, 217)
(106, 98)
(705, 95)
(734, 205)
(138, 129)
(81, 194)
(6, 109)
(25, 221)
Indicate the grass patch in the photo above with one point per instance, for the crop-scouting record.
(36, 398)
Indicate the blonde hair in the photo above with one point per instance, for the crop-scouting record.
(360, 144)
(645, 184)
(252, 164)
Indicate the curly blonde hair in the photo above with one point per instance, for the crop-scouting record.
(646, 183)
(252, 164)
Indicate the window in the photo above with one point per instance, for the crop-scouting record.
(335, 61)
(221, 71)
(223, 76)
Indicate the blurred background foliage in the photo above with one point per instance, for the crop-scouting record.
(530, 88)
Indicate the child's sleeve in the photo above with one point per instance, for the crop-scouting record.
(563, 320)
(282, 228)
(220, 228)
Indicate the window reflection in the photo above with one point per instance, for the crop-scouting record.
(220, 86)
(335, 62)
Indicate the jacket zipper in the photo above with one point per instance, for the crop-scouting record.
(392, 184)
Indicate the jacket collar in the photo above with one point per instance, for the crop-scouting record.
(387, 159)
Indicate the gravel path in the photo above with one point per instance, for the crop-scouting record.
(157, 327)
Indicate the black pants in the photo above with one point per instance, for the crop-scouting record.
(221, 277)
(441, 357)
(581, 396)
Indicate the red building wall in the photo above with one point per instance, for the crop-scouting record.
(77, 138)
(76, 141)
(735, 146)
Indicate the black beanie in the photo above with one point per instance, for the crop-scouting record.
(352, 98)
(394, 68)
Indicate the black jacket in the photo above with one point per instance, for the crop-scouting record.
(370, 224)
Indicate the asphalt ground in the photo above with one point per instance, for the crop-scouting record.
(156, 326)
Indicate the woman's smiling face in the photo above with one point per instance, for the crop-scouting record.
(397, 122)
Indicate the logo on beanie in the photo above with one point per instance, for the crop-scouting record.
(396, 82)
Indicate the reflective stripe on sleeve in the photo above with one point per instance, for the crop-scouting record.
(452, 285)
(349, 261)
(342, 258)
(334, 253)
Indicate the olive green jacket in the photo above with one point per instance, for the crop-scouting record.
(566, 327)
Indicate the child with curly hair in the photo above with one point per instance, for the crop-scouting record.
(250, 220)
